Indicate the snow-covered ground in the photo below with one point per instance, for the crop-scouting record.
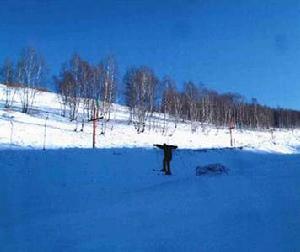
(18, 130)
(112, 200)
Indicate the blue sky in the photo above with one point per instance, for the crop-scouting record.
(251, 47)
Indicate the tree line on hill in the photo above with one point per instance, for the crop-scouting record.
(24, 78)
(92, 89)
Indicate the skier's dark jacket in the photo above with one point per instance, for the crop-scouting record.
(167, 150)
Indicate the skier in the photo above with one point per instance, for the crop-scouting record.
(167, 156)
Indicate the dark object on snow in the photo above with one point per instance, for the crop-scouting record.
(211, 169)
(167, 156)
(220, 149)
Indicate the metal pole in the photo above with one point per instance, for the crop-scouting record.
(94, 129)
(231, 142)
(95, 119)
(94, 134)
(11, 131)
(45, 132)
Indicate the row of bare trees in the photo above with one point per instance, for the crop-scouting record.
(200, 105)
(23, 78)
(91, 89)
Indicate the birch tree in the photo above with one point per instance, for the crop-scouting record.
(7, 78)
(109, 84)
(141, 84)
(31, 72)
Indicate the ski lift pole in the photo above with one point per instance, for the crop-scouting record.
(45, 132)
(231, 127)
(94, 130)
(231, 142)
(94, 120)
(11, 131)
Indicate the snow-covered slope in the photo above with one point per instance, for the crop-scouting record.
(115, 199)
(112, 200)
(18, 130)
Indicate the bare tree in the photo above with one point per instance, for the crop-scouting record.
(168, 104)
(66, 85)
(141, 84)
(71, 85)
(30, 73)
(108, 69)
(191, 96)
(7, 78)
(130, 93)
